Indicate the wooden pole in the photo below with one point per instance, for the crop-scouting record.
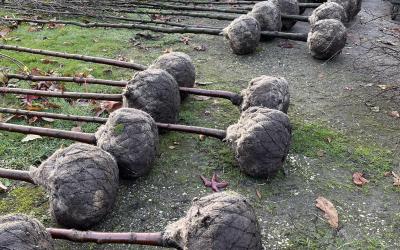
(150, 239)
(56, 133)
(74, 95)
(216, 133)
(16, 175)
(236, 99)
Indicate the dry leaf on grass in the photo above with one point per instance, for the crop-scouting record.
(331, 213)
(358, 179)
(31, 137)
(396, 179)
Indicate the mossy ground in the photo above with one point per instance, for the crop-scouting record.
(321, 162)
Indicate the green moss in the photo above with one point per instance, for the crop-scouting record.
(25, 199)
(318, 140)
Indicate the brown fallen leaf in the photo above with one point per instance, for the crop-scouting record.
(202, 137)
(331, 213)
(394, 114)
(31, 137)
(258, 193)
(200, 47)
(396, 179)
(358, 179)
(320, 153)
(76, 129)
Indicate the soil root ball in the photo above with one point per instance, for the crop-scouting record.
(351, 7)
(268, 14)
(180, 66)
(131, 136)
(289, 7)
(82, 182)
(328, 10)
(267, 91)
(156, 92)
(23, 233)
(261, 140)
(327, 38)
(243, 35)
(223, 220)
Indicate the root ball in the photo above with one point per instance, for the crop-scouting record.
(243, 35)
(156, 92)
(289, 7)
(351, 7)
(180, 66)
(261, 140)
(326, 38)
(131, 136)
(267, 91)
(23, 233)
(223, 220)
(268, 14)
(82, 182)
(328, 10)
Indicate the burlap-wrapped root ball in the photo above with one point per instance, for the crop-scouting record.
(243, 35)
(351, 7)
(326, 38)
(180, 66)
(267, 91)
(268, 14)
(82, 182)
(328, 10)
(20, 232)
(289, 7)
(223, 220)
(131, 136)
(261, 140)
(156, 92)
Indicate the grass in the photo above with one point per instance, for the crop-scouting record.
(182, 156)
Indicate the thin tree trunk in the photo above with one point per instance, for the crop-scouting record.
(56, 133)
(16, 175)
(74, 95)
(54, 115)
(150, 239)
(217, 133)
(72, 56)
(233, 97)
(188, 29)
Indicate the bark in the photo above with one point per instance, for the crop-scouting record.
(70, 56)
(56, 133)
(150, 239)
(74, 95)
(217, 133)
(16, 175)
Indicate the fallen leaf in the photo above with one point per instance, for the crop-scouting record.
(3, 188)
(171, 147)
(200, 48)
(331, 213)
(48, 61)
(286, 44)
(358, 179)
(168, 50)
(202, 137)
(258, 193)
(31, 137)
(4, 32)
(76, 129)
(201, 97)
(375, 109)
(3, 79)
(320, 153)
(394, 114)
(48, 119)
(396, 179)
(185, 40)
